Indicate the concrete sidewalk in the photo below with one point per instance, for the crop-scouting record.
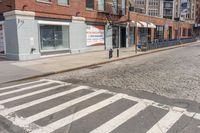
(17, 70)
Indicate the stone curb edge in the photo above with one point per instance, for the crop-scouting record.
(101, 63)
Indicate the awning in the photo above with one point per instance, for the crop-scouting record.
(136, 24)
(151, 25)
(142, 24)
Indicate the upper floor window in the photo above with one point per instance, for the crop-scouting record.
(153, 12)
(63, 2)
(153, 2)
(140, 2)
(168, 4)
(101, 5)
(90, 4)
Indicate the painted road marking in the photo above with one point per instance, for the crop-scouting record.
(29, 104)
(18, 85)
(55, 81)
(120, 119)
(163, 125)
(61, 107)
(31, 94)
(26, 88)
(67, 120)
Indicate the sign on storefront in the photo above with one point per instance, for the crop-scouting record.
(2, 40)
(95, 35)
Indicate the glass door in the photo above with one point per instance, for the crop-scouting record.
(115, 37)
(143, 35)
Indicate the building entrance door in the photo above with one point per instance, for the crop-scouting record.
(115, 37)
(123, 37)
(170, 33)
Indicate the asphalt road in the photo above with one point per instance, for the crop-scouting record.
(156, 93)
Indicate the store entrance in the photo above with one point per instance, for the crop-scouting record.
(143, 33)
(123, 37)
(115, 37)
(170, 33)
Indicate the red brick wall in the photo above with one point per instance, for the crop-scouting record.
(198, 11)
(53, 10)
(7, 5)
(160, 21)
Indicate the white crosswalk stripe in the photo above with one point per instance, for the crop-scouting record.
(26, 88)
(61, 107)
(120, 119)
(166, 122)
(67, 120)
(29, 104)
(30, 94)
(162, 126)
(18, 85)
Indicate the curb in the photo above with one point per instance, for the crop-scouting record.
(101, 63)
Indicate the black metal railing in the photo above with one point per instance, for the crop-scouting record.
(164, 43)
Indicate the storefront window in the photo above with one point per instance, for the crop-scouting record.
(159, 34)
(54, 37)
(2, 40)
(143, 35)
(184, 32)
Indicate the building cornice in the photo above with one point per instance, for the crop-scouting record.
(17, 13)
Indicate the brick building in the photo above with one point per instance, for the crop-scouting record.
(30, 29)
(197, 20)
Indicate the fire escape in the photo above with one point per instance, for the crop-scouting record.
(112, 10)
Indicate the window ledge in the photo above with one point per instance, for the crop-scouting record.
(46, 2)
(90, 9)
(64, 5)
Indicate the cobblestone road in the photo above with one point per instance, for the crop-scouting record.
(173, 73)
(155, 93)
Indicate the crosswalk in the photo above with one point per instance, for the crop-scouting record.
(50, 106)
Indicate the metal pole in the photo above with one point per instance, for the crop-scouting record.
(117, 52)
(136, 35)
